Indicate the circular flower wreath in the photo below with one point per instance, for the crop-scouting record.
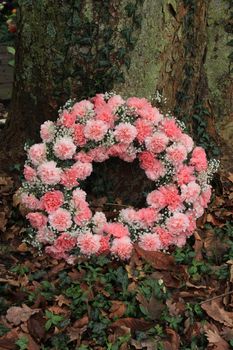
(93, 131)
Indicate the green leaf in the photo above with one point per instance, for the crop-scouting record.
(130, 9)
(48, 325)
(11, 50)
(11, 63)
(22, 343)
(231, 56)
(230, 43)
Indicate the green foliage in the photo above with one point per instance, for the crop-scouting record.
(52, 320)
(184, 255)
(22, 343)
(20, 270)
(3, 329)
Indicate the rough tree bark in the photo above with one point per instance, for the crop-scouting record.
(183, 48)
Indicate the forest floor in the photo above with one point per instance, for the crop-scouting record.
(177, 300)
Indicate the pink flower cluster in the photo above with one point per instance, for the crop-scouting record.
(93, 131)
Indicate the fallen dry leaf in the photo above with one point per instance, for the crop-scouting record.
(215, 311)
(147, 344)
(78, 328)
(16, 314)
(172, 279)
(158, 260)
(134, 324)
(227, 333)
(214, 338)
(198, 245)
(174, 340)
(230, 177)
(175, 308)
(36, 326)
(214, 246)
(118, 309)
(10, 282)
(62, 300)
(7, 341)
(154, 307)
(3, 221)
(230, 262)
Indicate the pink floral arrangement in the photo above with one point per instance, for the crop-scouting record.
(92, 131)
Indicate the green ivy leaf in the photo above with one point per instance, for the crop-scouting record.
(11, 50)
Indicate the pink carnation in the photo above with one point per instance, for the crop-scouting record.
(198, 209)
(116, 229)
(150, 113)
(185, 174)
(165, 237)
(30, 201)
(47, 131)
(78, 196)
(153, 167)
(157, 143)
(138, 103)
(83, 214)
(177, 224)
(115, 101)
(98, 154)
(29, 173)
(156, 199)
(180, 240)
(122, 247)
(69, 178)
(171, 196)
(117, 150)
(56, 253)
(144, 129)
(187, 141)
(83, 157)
(150, 241)
(37, 220)
(49, 173)
(65, 242)
(192, 223)
(104, 244)
(146, 217)
(170, 128)
(128, 215)
(95, 130)
(64, 148)
(83, 170)
(176, 154)
(98, 100)
(88, 243)
(78, 135)
(128, 156)
(104, 114)
(37, 153)
(52, 200)
(205, 196)
(190, 192)
(45, 236)
(125, 133)
(99, 220)
(67, 119)
(81, 108)
(199, 160)
(147, 160)
(60, 219)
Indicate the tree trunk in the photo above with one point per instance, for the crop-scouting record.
(182, 48)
